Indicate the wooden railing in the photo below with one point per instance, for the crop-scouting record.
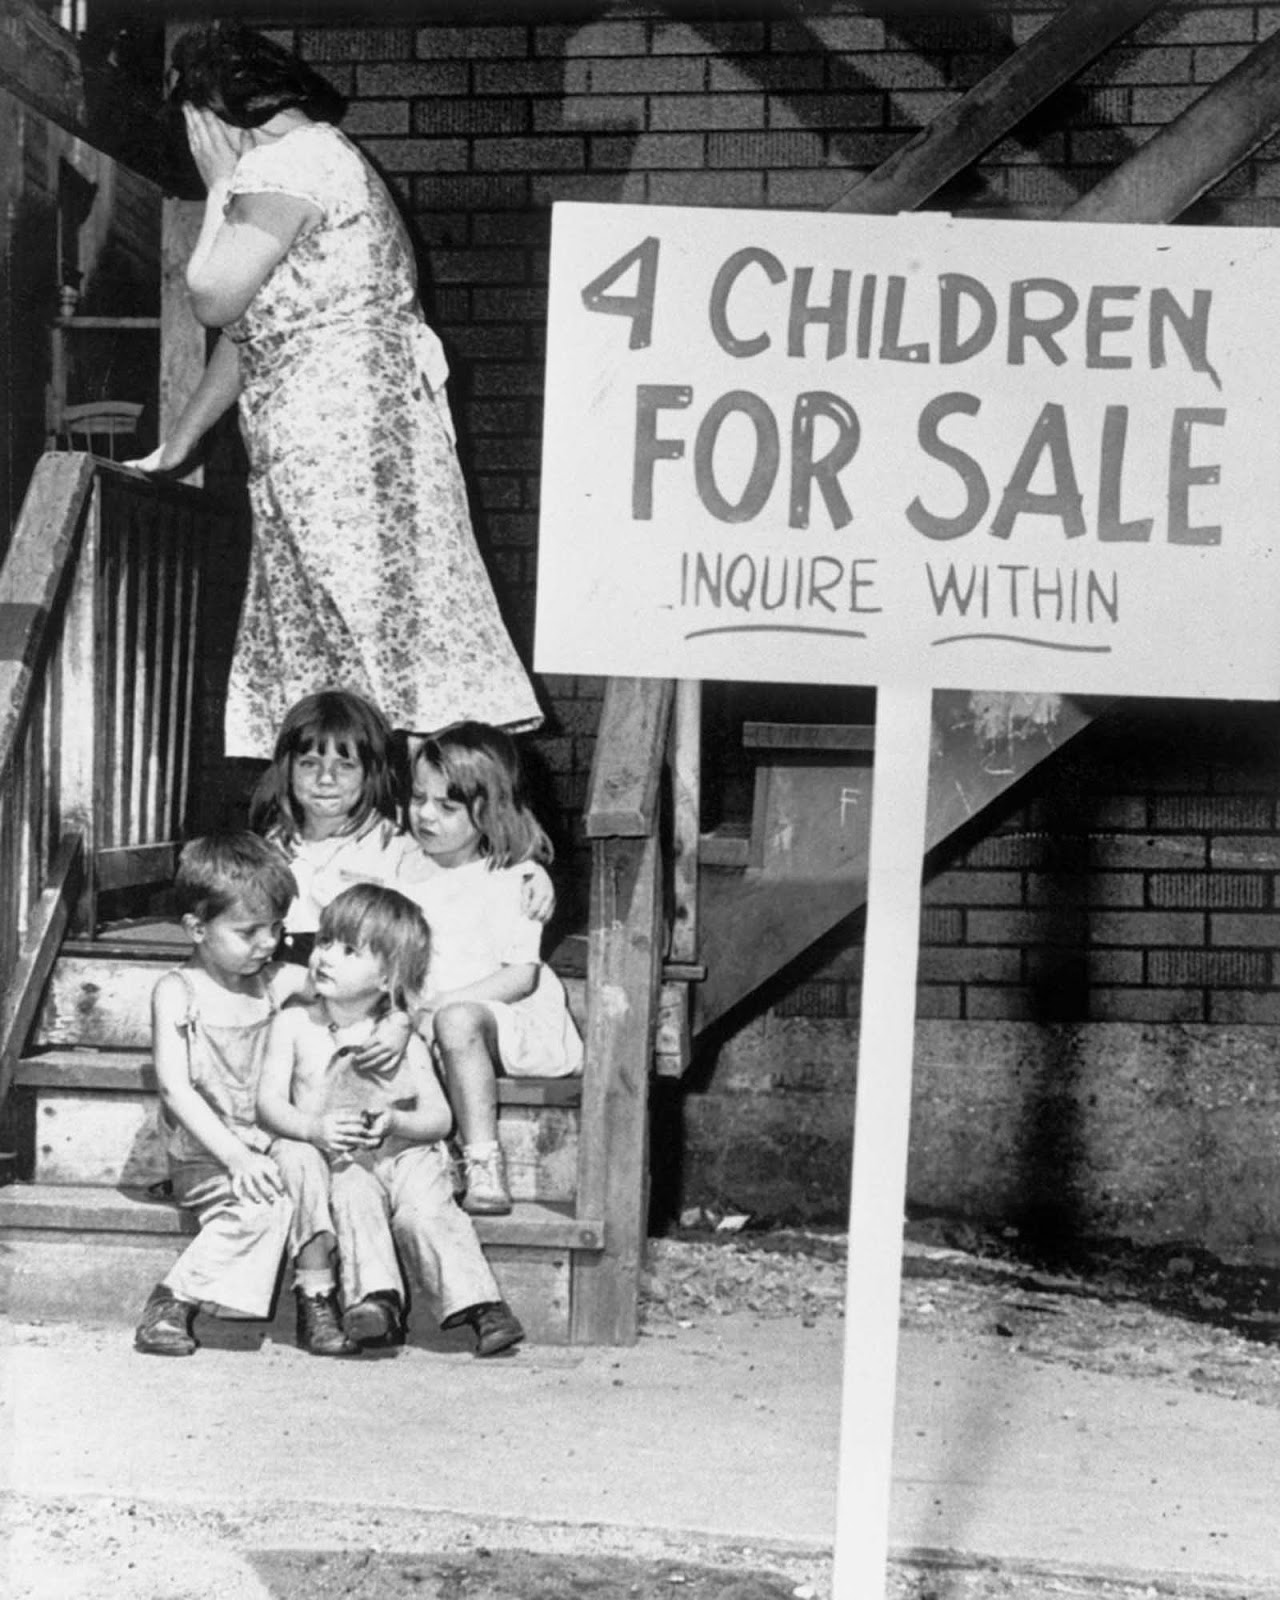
(99, 606)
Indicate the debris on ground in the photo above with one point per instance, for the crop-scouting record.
(1172, 1312)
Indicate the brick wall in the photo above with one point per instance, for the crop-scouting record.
(1140, 884)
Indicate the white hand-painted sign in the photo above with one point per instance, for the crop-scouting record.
(914, 449)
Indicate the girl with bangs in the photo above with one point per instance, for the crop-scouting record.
(329, 803)
(361, 1153)
(491, 1004)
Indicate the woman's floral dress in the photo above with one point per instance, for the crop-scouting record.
(364, 570)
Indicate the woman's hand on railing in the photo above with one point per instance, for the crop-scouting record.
(166, 457)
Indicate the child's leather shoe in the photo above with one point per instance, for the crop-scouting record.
(165, 1328)
(487, 1194)
(376, 1322)
(495, 1325)
(319, 1326)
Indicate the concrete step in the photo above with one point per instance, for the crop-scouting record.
(92, 1117)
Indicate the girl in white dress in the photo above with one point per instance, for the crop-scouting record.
(491, 1003)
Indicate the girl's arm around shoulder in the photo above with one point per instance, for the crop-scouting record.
(431, 1118)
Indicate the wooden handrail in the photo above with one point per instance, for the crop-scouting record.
(99, 605)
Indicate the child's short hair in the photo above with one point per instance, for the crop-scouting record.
(354, 726)
(370, 917)
(222, 870)
(482, 770)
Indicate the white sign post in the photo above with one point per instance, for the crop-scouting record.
(913, 452)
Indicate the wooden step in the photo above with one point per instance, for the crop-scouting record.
(131, 1070)
(104, 1000)
(82, 1209)
(92, 1117)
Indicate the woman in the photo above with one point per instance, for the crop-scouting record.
(364, 570)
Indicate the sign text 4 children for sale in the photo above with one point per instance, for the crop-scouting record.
(914, 449)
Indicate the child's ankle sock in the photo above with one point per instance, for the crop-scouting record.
(314, 1281)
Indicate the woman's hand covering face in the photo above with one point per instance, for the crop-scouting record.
(215, 146)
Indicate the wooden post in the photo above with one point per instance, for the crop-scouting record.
(623, 971)
(886, 1041)
(955, 139)
(686, 822)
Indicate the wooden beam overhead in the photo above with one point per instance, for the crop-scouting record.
(1196, 150)
(1048, 61)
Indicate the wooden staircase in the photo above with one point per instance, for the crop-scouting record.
(100, 616)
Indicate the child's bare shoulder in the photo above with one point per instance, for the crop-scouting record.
(171, 994)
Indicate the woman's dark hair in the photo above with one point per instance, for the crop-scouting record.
(247, 78)
(356, 728)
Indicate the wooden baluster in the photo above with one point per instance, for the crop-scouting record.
(79, 706)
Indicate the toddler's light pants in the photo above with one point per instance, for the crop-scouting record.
(231, 1265)
(398, 1202)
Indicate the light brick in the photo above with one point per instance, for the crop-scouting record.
(650, 151)
(1146, 1005)
(1241, 928)
(607, 37)
(707, 188)
(779, 74)
(1150, 928)
(1216, 890)
(663, 75)
(674, 113)
(707, 38)
(764, 150)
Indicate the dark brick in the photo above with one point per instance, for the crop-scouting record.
(823, 34)
(941, 925)
(1240, 928)
(506, 227)
(498, 494)
(814, 1000)
(411, 80)
(470, 192)
(1211, 62)
(780, 74)
(1146, 1005)
(464, 116)
(608, 113)
(511, 529)
(478, 266)
(547, 153)
(1162, 106)
(970, 964)
(1149, 66)
(508, 379)
(605, 36)
(806, 191)
(1149, 928)
(1209, 890)
(1243, 852)
(518, 77)
(975, 889)
(1241, 1006)
(493, 416)
(991, 1003)
(1196, 24)
(478, 343)
(939, 1001)
(651, 151)
(665, 75)
(1114, 889)
(419, 155)
(764, 149)
(356, 44)
(1214, 813)
(1136, 851)
(617, 188)
(1020, 928)
(478, 41)
(856, 110)
(1094, 967)
(376, 116)
(1227, 969)
(707, 189)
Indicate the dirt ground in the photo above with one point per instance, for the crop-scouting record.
(1170, 1314)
